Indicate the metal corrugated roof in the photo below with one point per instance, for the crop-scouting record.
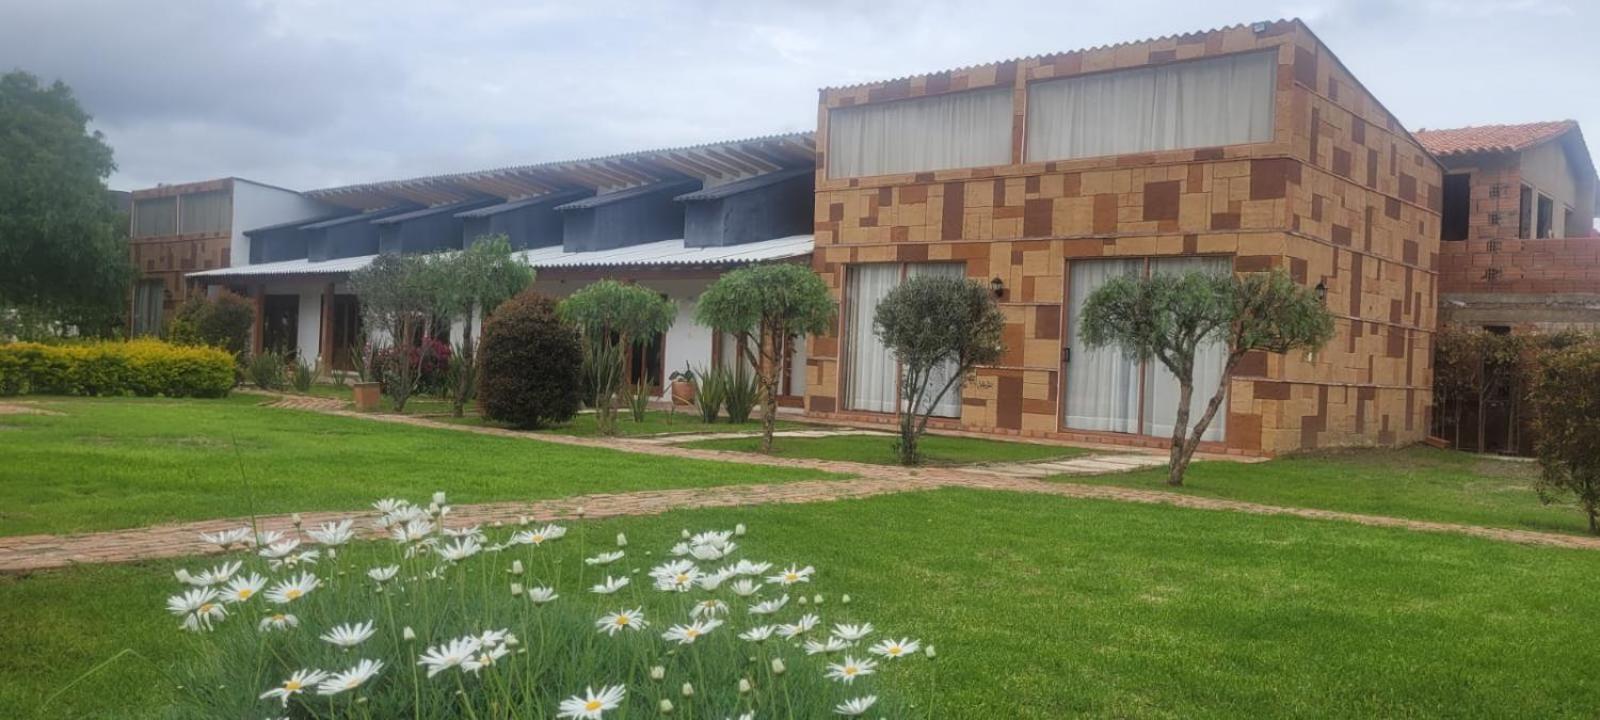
(368, 216)
(435, 210)
(519, 204)
(301, 223)
(739, 186)
(604, 199)
(300, 266)
(666, 253)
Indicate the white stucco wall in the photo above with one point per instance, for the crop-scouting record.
(256, 205)
(686, 341)
(308, 325)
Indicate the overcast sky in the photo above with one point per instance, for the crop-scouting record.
(313, 93)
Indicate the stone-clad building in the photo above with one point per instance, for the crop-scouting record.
(1248, 148)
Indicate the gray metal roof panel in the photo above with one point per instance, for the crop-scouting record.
(738, 186)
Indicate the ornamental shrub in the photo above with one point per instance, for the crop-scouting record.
(531, 364)
(267, 371)
(1566, 405)
(223, 321)
(140, 367)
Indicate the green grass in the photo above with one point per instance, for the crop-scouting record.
(1421, 483)
(656, 422)
(1040, 607)
(127, 462)
(879, 449)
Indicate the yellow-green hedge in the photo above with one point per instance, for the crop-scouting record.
(140, 367)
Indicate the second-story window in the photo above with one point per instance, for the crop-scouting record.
(941, 132)
(153, 217)
(204, 212)
(1200, 103)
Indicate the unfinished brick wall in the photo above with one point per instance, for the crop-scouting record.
(1341, 195)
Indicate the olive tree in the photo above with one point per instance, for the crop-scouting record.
(612, 316)
(940, 329)
(481, 277)
(399, 296)
(769, 307)
(1566, 403)
(1168, 318)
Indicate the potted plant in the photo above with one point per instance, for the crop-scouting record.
(367, 391)
(683, 386)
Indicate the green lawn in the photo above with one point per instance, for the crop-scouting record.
(879, 449)
(1040, 607)
(656, 422)
(1420, 482)
(127, 462)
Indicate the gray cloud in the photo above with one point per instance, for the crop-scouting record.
(309, 93)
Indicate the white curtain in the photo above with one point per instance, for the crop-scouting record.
(205, 212)
(148, 299)
(1203, 103)
(155, 217)
(872, 373)
(1161, 388)
(953, 130)
(950, 404)
(1102, 383)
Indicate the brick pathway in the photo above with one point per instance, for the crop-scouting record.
(35, 552)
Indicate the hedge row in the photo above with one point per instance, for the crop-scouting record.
(141, 367)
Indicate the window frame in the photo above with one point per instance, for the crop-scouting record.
(847, 337)
(1010, 130)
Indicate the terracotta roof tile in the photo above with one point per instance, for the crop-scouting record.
(1491, 138)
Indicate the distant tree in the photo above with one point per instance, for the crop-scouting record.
(768, 308)
(611, 317)
(481, 277)
(1566, 403)
(532, 363)
(940, 329)
(399, 295)
(1169, 317)
(64, 261)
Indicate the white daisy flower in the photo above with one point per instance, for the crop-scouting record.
(831, 645)
(296, 684)
(895, 648)
(847, 671)
(622, 620)
(411, 530)
(793, 575)
(854, 707)
(538, 536)
(708, 608)
(711, 552)
(241, 589)
(279, 549)
(290, 589)
(383, 574)
(687, 634)
(461, 549)
(304, 557)
(333, 533)
(350, 679)
(390, 506)
(590, 705)
(227, 538)
(801, 626)
(219, 574)
(713, 538)
(268, 537)
(278, 621)
(680, 550)
(611, 585)
(542, 595)
(760, 633)
(349, 635)
(769, 607)
(484, 658)
(676, 576)
(852, 633)
(451, 654)
(473, 531)
(494, 637)
(714, 580)
(198, 608)
(745, 567)
(605, 558)
(744, 587)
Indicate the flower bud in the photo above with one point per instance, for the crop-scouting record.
(802, 600)
(408, 633)
(817, 600)
(657, 672)
(666, 706)
(844, 599)
(744, 686)
(438, 498)
(516, 589)
(929, 652)
(516, 567)
(686, 533)
(622, 540)
(738, 530)
(295, 518)
(523, 520)
(777, 666)
(688, 690)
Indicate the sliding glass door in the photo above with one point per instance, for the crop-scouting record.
(1110, 392)
(873, 376)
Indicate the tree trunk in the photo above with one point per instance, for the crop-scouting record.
(1212, 406)
(1175, 459)
(1483, 425)
(768, 372)
(465, 380)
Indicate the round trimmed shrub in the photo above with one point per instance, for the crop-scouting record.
(532, 364)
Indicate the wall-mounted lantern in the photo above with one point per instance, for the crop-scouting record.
(998, 287)
(1322, 292)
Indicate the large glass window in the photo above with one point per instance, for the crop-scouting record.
(953, 130)
(148, 298)
(1203, 103)
(204, 212)
(154, 217)
(873, 376)
(1111, 392)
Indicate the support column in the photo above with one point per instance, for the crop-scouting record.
(325, 357)
(258, 326)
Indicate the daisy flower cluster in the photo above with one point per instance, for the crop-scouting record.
(443, 619)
